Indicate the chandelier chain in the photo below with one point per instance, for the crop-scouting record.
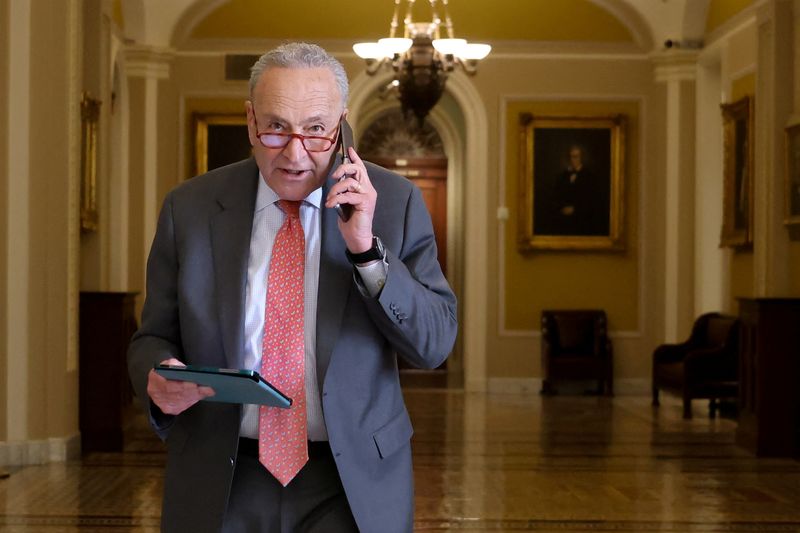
(393, 25)
(408, 20)
(435, 20)
(448, 22)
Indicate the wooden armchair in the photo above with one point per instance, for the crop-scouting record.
(575, 346)
(704, 366)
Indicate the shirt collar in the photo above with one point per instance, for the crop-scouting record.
(266, 196)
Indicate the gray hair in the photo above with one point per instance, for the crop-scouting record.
(300, 55)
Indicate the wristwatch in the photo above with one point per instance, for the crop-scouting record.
(376, 252)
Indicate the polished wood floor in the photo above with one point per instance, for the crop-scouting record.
(486, 463)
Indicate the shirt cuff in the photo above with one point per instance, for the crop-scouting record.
(373, 276)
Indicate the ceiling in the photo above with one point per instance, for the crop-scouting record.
(640, 24)
(515, 20)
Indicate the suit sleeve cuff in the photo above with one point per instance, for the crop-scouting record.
(372, 277)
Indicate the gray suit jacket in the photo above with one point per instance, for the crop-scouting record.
(194, 311)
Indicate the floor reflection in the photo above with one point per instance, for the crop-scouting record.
(486, 463)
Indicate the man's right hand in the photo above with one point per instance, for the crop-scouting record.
(174, 397)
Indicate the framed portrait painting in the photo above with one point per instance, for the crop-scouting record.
(90, 115)
(792, 176)
(219, 140)
(737, 207)
(571, 182)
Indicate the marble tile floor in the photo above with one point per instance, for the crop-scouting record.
(502, 462)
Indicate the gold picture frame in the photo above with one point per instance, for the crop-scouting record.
(737, 206)
(572, 182)
(792, 176)
(90, 115)
(219, 139)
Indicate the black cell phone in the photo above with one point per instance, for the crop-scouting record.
(345, 141)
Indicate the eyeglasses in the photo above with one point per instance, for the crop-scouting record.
(311, 143)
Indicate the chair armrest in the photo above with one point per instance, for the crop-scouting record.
(671, 353)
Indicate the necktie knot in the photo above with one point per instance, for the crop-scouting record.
(291, 208)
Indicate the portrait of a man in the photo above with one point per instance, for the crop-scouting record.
(576, 201)
(571, 177)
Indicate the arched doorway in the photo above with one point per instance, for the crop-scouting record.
(416, 152)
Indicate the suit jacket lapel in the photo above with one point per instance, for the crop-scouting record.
(335, 282)
(230, 247)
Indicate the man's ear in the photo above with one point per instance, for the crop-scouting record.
(251, 122)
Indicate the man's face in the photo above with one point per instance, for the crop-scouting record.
(575, 158)
(305, 101)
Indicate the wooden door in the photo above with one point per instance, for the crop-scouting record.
(430, 175)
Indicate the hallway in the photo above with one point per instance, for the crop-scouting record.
(486, 462)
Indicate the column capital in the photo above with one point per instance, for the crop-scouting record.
(675, 65)
(142, 61)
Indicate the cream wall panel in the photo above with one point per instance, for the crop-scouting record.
(53, 409)
(18, 232)
(5, 58)
(577, 79)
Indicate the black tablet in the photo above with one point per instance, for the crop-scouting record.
(230, 385)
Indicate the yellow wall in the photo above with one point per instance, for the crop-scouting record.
(506, 87)
(117, 16)
(545, 20)
(551, 279)
(720, 11)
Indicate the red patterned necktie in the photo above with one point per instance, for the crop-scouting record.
(283, 446)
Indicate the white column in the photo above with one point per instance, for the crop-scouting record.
(119, 196)
(773, 107)
(152, 64)
(17, 217)
(677, 70)
(712, 272)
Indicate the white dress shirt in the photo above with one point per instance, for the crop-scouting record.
(267, 220)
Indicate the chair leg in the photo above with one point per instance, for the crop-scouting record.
(687, 407)
(712, 408)
(655, 396)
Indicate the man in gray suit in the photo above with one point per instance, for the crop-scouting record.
(373, 290)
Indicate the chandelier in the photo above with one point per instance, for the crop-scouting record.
(421, 59)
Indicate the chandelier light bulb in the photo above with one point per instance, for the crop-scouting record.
(394, 45)
(474, 51)
(369, 50)
(450, 46)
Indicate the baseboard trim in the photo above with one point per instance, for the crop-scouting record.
(39, 452)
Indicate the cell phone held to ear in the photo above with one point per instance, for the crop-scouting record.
(345, 142)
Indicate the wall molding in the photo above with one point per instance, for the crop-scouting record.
(505, 100)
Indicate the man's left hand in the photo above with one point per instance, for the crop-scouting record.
(356, 190)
